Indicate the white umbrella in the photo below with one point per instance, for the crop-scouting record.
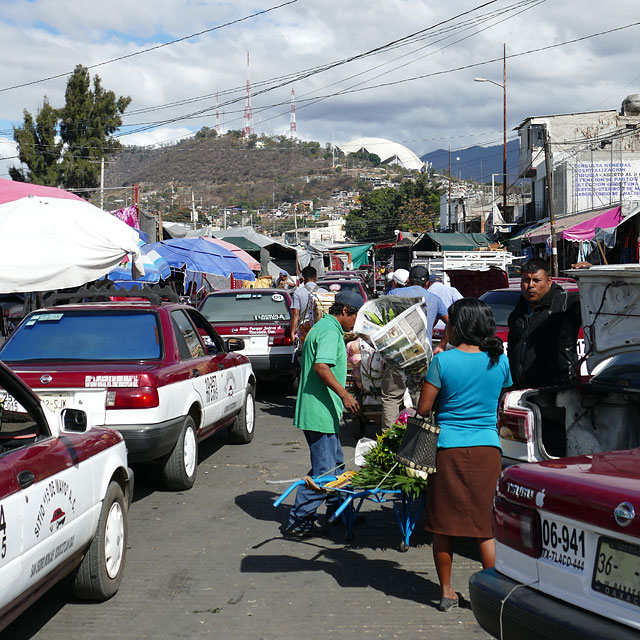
(51, 243)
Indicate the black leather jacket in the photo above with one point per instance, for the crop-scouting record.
(542, 341)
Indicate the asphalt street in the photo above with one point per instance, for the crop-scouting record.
(211, 562)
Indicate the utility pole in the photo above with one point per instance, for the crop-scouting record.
(449, 200)
(102, 182)
(193, 210)
(295, 222)
(552, 221)
(505, 215)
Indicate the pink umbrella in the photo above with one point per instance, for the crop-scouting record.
(252, 263)
(11, 190)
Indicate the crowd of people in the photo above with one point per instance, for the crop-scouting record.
(463, 385)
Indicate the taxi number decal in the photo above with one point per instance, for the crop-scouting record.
(211, 387)
(3, 533)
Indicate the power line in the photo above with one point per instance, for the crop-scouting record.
(159, 46)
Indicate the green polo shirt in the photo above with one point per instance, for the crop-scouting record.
(317, 407)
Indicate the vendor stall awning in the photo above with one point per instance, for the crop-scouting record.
(452, 241)
(578, 227)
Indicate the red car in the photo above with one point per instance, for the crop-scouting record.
(157, 372)
(567, 551)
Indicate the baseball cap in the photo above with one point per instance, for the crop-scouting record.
(390, 276)
(419, 274)
(350, 298)
(401, 276)
(283, 272)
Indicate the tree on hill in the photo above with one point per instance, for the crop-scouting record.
(85, 126)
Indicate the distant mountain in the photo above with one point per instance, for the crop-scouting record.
(477, 163)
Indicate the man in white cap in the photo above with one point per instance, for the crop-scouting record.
(400, 278)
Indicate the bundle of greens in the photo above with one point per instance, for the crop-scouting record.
(381, 460)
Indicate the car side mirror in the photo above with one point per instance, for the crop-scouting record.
(235, 344)
(74, 421)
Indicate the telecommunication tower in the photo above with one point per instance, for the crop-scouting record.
(292, 116)
(248, 114)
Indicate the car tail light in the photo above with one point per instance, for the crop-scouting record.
(133, 398)
(515, 423)
(280, 341)
(516, 527)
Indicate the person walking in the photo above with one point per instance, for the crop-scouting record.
(543, 330)
(302, 300)
(321, 399)
(466, 382)
(393, 384)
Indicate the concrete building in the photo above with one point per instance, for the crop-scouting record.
(325, 231)
(595, 160)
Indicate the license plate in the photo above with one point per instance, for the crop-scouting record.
(562, 544)
(617, 570)
(9, 403)
(54, 402)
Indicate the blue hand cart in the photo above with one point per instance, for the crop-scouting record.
(407, 509)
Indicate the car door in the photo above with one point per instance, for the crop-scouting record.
(205, 365)
(47, 493)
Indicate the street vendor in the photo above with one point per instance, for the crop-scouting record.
(285, 281)
(322, 398)
(393, 384)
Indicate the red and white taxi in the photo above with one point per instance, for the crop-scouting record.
(262, 319)
(64, 493)
(156, 372)
(567, 536)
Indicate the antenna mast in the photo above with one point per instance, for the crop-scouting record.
(248, 114)
(292, 116)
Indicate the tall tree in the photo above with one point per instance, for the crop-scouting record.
(87, 124)
(38, 149)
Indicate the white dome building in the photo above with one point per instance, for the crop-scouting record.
(389, 152)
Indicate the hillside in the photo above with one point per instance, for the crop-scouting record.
(228, 170)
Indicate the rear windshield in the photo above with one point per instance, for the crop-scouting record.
(85, 335)
(246, 307)
(343, 285)
(502, 304)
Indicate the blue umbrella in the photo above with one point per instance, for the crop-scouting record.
(156, 268)
(199, 256)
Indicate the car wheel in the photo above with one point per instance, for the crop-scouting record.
(180, 468)
(100, 572)
(242, 429)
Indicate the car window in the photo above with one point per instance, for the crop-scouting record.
(343, 285)
(189, 343)
(18, 427)
(502, 304)
(85, 335)
(211, 339)
(245, 306)
(622, 371)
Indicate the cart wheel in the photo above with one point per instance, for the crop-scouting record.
(404, 547)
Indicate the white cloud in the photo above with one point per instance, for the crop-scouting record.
(8, 156)
(40, 39)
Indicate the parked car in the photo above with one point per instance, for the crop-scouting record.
(262, 319)
(155, 371)
(567, 550)
(600, 411)
(65, 489)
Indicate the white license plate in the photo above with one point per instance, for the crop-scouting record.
(562, 544)
(617, 570)
(9, 403)
(54, 401)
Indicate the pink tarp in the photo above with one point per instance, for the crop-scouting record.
(11, 190)
(580, 226)
(251, 262)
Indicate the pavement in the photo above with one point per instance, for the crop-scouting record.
(211, 562)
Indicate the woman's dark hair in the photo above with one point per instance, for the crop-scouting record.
(471, 321)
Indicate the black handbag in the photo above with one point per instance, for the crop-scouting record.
(419, 445)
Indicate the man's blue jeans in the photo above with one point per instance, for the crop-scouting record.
(326, 457)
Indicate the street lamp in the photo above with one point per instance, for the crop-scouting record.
(503, 86)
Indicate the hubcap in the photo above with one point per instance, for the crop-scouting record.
(250, 414)
(114, 540)
(189, 452)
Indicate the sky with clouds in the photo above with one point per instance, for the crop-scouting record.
(418, 91)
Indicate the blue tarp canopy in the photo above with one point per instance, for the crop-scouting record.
(156, 268)
(200, 256)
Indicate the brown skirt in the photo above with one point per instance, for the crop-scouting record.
(460, 494)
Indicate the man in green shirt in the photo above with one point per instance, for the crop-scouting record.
(321, 400)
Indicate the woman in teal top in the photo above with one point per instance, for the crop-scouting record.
(467, 382)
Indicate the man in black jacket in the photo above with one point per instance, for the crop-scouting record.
(543, 330)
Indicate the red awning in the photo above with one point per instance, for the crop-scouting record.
(581, 226)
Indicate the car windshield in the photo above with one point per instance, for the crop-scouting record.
(342, 285)
(622, 371)
(84, 335)
(502, 304)
(246, 306)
